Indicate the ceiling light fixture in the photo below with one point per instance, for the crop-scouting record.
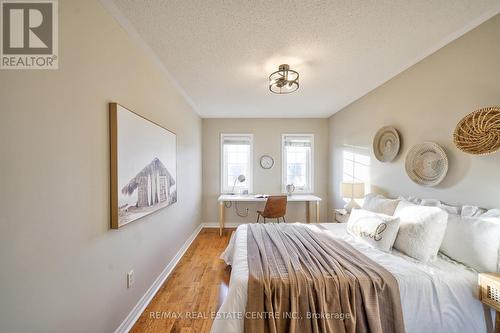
(284, 80)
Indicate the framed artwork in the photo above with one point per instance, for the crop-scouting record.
(143, 166)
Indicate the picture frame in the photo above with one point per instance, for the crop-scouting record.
(143, 166)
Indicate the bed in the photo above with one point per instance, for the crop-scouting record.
(435, 297)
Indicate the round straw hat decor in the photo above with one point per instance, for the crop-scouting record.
(426, 164)
(386, 144)
(478, 133)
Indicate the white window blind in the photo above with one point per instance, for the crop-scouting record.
(297, 155)
(236, 160)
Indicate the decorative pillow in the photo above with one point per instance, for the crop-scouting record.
(436, 203)
(421, 230)
(379, 204)
(429, 202)
(473, 241)
(492, 213)
(378, 230)
(411, 199)
(455, 210)
(470, 211)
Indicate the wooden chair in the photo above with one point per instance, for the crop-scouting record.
(275, 208)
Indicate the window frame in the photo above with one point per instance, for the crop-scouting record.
(249, 177)
(310, 189)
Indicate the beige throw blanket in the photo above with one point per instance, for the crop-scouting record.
(303, 280)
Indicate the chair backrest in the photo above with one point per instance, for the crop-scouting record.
(275, 206)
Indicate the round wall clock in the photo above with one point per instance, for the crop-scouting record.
(266, 162)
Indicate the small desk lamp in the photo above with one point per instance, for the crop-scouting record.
(241, 179)
(352, 191)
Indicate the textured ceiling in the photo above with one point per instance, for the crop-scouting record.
(222, 52)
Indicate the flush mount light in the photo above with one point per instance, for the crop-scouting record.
(284, 80)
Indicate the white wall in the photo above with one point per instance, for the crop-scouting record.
(267, 140)
(61, 267)
(425, 103)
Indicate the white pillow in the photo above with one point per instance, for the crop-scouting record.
(411, 199)
(491, 213)
(470, 211)
(429, 202)
(421, 230)
(436, 203)
(473, 241)
(378, 230)
(379, 204)
(455, 210)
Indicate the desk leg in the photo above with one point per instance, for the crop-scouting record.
(497, 325)
(308, 212)
(317, 211)
(221, 217)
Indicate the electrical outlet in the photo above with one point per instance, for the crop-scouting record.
(130, 279)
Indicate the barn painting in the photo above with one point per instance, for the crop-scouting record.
(143, 165)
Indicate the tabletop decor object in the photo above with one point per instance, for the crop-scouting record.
(351, 191)
(478, 133)
(386, 144)
(426, 164)
(241, 179)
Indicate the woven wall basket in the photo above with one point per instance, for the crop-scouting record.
(386, 144)
(478, 133)
(426, 164)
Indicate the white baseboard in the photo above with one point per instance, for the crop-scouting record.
(226, 225)
(132, 317)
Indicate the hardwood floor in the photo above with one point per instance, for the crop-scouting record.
(194, 290)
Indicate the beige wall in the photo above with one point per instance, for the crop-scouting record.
(425, 103)
(61, 268)
(267, 140)
(64, 270)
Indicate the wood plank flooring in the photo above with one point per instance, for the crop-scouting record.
(195, 289)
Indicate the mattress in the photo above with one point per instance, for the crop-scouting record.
(436, 297)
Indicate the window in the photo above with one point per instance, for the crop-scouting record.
(297, 162)
(236, 160)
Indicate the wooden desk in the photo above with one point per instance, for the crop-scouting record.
(307, 198)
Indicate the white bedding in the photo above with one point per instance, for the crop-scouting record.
(436, 297)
